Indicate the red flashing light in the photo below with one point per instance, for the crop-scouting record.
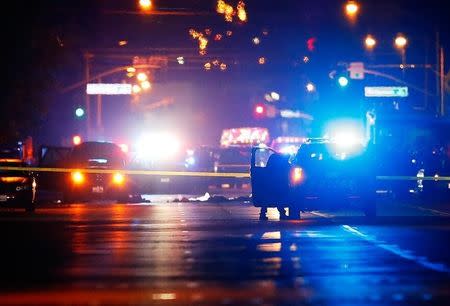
(76, 140)
(311, 44)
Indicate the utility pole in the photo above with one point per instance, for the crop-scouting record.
(99, 112)
(438, 73)
(442, 85)
(87, 57)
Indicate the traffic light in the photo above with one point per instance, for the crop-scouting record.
(260, 110)
(79, 112)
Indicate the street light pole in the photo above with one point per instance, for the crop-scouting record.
(87, 57)
(99, 112)
(442, 78)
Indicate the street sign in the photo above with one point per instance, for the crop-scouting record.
(356, 70)
(108, 89)
(385, 91)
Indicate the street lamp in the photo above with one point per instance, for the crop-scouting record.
(370, 42)
(351, 9)
(310, 87)
(400, 42)
(145, 5)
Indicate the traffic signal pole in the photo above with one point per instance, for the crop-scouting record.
(87, 57)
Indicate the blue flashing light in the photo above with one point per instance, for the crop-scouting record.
(343, 81)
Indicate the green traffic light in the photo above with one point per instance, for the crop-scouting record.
(79, 112)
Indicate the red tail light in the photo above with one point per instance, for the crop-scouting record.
(297, 175)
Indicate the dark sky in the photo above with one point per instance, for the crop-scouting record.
(58, 32)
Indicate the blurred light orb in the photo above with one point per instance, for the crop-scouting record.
(310, 87)
(343, 81)
(262, 60)
(146, 85)
(180, 60)
(136, 89)
(141, 77)
(256, 40)
(79, 112)
(145, 4)
(400, 41)
(370, 42)
(275, 96)
(351, 8)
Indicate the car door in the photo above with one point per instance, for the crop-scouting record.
(269, 177)
(53, 157)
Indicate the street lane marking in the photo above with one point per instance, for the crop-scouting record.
(395, 249)
(435, 211)
(412, 178)
(392, 248)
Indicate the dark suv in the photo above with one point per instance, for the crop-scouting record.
(97, 173)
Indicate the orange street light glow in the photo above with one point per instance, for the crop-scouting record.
(241, 13)
(76, 140)
(351, 8)
(145, 5)
(400, 41)
(370, 42)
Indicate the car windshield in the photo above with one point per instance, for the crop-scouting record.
(235, 155)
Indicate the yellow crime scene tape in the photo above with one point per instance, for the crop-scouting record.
(197, 174)
(131, 172)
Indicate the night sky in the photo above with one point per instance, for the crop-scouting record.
(45, 43)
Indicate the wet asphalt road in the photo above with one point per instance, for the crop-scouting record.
(221, 254)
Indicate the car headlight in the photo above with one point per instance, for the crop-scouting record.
(118, 178)
(77, 177)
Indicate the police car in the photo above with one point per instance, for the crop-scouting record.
(324, 173)
(86, 183)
